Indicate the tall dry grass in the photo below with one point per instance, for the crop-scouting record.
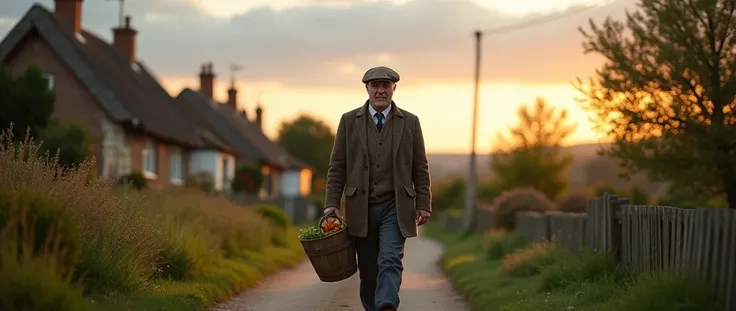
(119, 246)
(110, 238)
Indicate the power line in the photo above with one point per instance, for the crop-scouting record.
(544, 19)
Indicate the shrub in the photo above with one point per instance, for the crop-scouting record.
(510, 202)
(638, 196)
(487, 192)
(602, 188)
(274, 214)
(502, 243)
(531, 260)
(248, 178)
(588, 268)
(34, 279)
(574, 203)
(446, 194)
(135, 180)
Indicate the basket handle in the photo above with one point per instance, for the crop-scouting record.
(342, 220)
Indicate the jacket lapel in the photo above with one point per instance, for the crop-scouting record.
(398, 128)
(361, 127)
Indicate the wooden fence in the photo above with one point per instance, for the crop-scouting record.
(648, 238)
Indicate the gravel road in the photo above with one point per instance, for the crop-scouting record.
(424, 288)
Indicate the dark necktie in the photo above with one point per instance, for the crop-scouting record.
(380, 117)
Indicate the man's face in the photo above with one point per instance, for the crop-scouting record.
(380, 93)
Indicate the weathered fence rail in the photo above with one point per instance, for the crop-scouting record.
(648, 238)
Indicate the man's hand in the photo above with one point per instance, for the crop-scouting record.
(332, 210)
(422, 216)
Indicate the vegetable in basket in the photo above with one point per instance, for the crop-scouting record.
(328, 227)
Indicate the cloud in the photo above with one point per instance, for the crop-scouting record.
(327, 45)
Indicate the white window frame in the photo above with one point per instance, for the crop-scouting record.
(148, 157)
(50, 83)
(176, 167)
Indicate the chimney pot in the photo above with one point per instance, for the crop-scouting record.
(124, 39)
(232, 98)
(207, 80)
(69, 12)
(259, 117)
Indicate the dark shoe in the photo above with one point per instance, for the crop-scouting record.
(387, 308)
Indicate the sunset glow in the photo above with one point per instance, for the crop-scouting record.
(445, 110)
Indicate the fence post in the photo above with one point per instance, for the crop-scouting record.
(615, 218)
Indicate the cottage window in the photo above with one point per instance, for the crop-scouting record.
(49, 80)
(149, 159)
(177, 176)
(305, 182)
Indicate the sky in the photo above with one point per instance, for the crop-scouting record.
(308, 56)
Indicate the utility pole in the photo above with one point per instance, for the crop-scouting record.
(470, 187)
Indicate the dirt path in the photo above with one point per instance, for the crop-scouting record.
(424, 288)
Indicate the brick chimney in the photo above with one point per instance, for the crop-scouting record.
(207, 80)
(232, 96)
(70, 13)
(124, 39)
(259, 117)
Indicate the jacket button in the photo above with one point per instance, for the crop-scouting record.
(362, 191)
(365, 166)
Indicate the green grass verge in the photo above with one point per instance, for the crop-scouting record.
(218, 283)
(591, 282)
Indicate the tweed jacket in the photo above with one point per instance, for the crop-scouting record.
(349, 164)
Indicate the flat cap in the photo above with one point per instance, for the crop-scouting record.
(381, 73)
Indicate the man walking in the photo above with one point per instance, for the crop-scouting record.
(380, 164)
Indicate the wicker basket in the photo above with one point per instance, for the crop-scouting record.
(333, 257)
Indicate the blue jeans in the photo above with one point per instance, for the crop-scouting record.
(380, 256)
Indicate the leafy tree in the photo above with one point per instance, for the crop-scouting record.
(666, 92)
(531, 156)
(309, 140)
(70, 139)
(25, 100)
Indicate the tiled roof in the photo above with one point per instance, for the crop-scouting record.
(239, 132)
(127, 92)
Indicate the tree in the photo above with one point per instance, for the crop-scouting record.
(531, 156)
(70, 139)
(665, 93)
(309, 140)
(26, 101)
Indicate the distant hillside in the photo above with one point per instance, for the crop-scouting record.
(448, 165)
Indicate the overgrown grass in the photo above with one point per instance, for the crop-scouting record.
(542, 278)
(73, 242)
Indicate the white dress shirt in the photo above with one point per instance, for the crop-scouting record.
(384, 112)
